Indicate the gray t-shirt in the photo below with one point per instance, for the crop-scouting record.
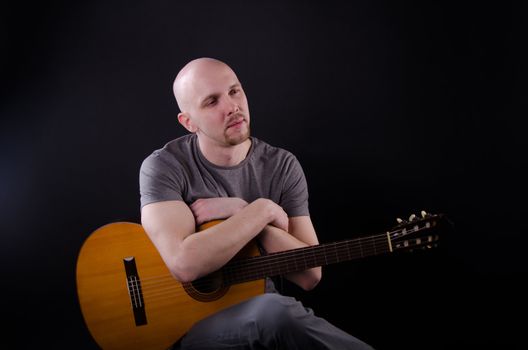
(179, 171)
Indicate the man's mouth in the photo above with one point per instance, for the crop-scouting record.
(235, 123)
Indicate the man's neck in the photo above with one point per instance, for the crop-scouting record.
(225, 156)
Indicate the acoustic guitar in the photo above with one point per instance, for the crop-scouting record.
(129, 299)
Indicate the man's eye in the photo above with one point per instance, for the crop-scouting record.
(234, 91)
(211, 103)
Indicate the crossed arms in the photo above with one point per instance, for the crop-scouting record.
(189, 255)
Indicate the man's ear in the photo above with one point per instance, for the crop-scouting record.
(186, 121)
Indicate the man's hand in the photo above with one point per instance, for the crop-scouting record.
(280, 217)
(207, 209)
(301, 234)
(188, 255)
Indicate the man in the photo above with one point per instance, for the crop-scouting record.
(219, 171)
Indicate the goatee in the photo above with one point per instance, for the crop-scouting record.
(234, 140)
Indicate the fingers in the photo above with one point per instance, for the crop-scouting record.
(281, 219)
(285, 222)
(207, 209)
(198, 209)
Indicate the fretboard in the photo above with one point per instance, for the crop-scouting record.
(258, 267)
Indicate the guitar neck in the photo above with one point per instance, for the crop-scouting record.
(258, 267)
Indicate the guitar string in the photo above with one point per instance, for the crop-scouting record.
(280, 255)
(364, 242)
(248, 273)
(356, 252)
(177, 284)
(339, 248)
(375, 239)
(170, 289)
(177, 289)
(334, 256)
(275, 257)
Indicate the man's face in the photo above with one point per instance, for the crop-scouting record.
(217, 106)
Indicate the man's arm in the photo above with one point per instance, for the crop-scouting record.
(188, 255)
(301, 234)
(207, 209)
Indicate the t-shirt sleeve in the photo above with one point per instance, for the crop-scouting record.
(158, 181)
(294, 197)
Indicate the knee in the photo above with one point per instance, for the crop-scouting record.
(275, 311)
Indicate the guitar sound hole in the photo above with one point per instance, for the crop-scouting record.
(208, 284)
(207, 288)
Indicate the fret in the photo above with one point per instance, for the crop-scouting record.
(361, 248)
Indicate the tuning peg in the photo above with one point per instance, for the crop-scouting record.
(424, 213)
(412, 217)
(399, 221)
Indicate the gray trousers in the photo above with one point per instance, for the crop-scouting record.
(268, 321)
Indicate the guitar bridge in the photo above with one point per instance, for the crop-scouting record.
(134, 291)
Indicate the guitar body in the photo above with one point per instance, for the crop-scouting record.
(149, 309)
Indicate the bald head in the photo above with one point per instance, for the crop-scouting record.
(212, 103)
(187, 84)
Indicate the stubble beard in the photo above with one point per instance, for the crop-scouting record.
(234, 140)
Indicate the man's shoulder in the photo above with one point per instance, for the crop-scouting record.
(173, 154)
(175, 149)
(263, 149)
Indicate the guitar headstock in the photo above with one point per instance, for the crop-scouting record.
(418, 232)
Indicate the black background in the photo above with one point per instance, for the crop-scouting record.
(390, 107)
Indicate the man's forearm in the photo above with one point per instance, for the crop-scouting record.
(206, 251)
(274, 240)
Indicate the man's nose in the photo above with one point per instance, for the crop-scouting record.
(232, 107)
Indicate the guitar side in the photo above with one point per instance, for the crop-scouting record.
(107, 298)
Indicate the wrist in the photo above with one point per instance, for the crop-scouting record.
(267, 208)
(241, 204)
